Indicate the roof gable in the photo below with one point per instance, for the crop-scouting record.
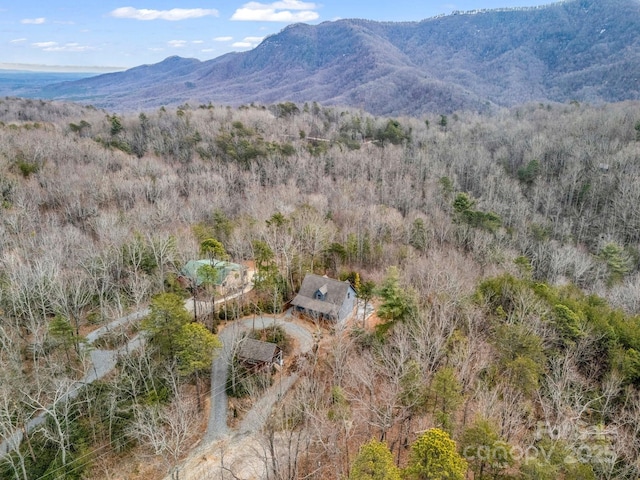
(334, 291)
(332, 294)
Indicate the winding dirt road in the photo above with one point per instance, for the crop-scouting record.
(217, 427)
(223, 449)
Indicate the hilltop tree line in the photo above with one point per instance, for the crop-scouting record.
(508, 317)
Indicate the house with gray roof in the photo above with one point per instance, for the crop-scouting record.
(324, 298)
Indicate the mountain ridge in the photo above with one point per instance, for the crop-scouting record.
(583, 50)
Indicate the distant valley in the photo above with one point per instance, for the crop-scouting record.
(24, 83)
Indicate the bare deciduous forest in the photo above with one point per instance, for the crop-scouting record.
(501, 252)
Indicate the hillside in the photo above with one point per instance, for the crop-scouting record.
(502, 251)
(584, 50)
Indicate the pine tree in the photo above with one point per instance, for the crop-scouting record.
(165, 321)
(374, 462)
(434, 457)
(196, 347)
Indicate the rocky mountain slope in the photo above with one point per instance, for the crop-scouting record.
(584, 50)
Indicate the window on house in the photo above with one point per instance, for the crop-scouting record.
(321, 293)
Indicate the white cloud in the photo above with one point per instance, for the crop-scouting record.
(34, 67)
(33, 21)
(282, 11)
(70, 47)
(293, 5)
(44, 44)
(223, 39)
(177, 43)
(67, 47)
(18, 40)
(197, 42)
(248, 42)
(174, 14)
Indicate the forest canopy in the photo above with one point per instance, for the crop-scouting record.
(502, 250)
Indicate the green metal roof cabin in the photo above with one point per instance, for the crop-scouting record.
(224, 269)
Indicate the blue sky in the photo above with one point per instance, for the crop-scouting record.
(127, 33)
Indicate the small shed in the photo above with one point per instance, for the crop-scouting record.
(257, 354)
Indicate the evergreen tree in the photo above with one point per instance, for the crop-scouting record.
(365, 293)
(165, 321)
(215, 252)
(446, 395)
(482, 447)
(617, 260)
(62, 332)
(418, 238)
(434, 457)
(397, 303)
(116, 125)
(196, 347)
(374, 462)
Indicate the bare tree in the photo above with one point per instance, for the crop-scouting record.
(73, 294)
(168, 430)
(163, 250)
(13, 418)
(59, 407)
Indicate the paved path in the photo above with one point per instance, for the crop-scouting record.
(237, 446)
(258, 415)
(103, 362)
(129, 319)
(217, 427)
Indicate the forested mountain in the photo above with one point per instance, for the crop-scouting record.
(500, 251)
(584, 50)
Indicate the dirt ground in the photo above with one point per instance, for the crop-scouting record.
(235, 456)
(245, 457)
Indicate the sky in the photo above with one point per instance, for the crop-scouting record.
(89, 35)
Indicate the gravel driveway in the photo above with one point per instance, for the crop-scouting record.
(217, 427)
